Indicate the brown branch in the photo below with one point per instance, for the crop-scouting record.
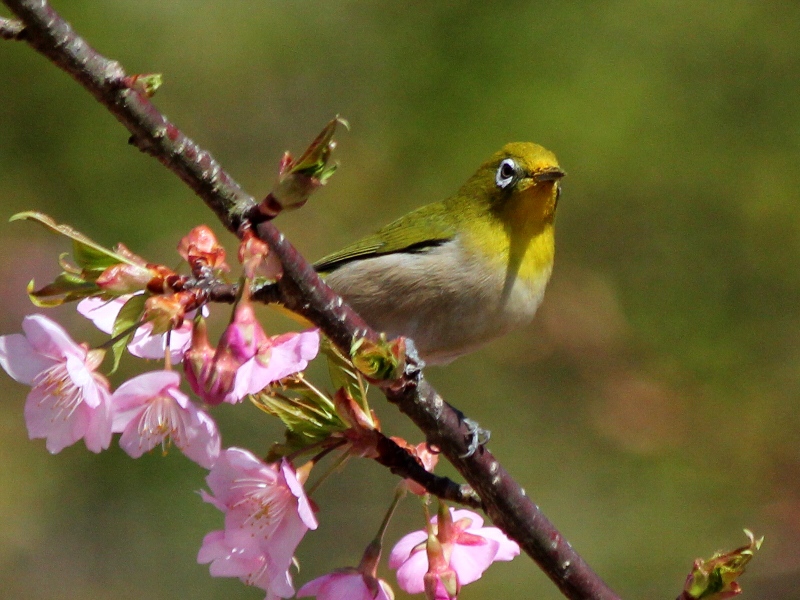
(302, 290)
(400, 462)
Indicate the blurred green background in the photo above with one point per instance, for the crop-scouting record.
(652, 408)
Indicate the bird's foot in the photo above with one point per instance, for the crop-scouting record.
(478, 436)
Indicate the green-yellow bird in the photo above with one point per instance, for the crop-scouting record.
(456, 274)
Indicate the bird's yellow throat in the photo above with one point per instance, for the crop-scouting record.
(520, 236)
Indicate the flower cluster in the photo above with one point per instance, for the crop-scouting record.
(70, 400)
(266, 512)
(156, 314)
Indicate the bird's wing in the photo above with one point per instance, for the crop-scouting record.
(417, 231)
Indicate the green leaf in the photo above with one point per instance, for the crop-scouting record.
(77, 281)
(309, 417)
(342, 372)
(94, 260)
(67, 287)
(298, 179)
(87, 253)
(314, 161)
(125, 326)
(147, 83)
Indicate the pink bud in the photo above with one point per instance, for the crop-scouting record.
(244, 336)
(201, 248)
(252, 251)
(197, 358)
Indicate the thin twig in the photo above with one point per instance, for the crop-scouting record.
(300, 289)
(400, 462)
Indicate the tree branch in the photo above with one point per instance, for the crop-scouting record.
(301, 290)
(401, 463)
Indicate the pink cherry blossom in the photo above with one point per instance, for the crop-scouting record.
(267, 512)
(246, 359)
(150, 409)
(69, 401)
(280, 357)
(144, 344)
(465, 547)
(249, 563)
(347, 584)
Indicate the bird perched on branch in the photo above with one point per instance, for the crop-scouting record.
(455, 274)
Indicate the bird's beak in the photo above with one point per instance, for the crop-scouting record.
(548, 174)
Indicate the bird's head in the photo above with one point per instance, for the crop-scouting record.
(520, 183)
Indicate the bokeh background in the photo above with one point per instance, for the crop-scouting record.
(652, 408)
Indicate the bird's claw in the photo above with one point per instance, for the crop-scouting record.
(414, 363)
(478, 436)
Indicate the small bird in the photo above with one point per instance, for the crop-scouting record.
(456, 274)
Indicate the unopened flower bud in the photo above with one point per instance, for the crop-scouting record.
(124, 278)
(252, 252)
(200, 248)
(166, 312)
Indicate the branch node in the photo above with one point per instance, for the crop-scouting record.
(12, 30)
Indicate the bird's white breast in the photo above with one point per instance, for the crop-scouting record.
(447, 299)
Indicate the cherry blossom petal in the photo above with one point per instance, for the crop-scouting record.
(131, 396)
(98, 434)
(68, 400)
(283, 542)
(45, 419)
(507, 549)
(55, 410)
(260, 506)
(463, 513)
(84, 379)
(410, 575)
(465, 548)
(49, 339)
(247, 381)
(233, 465)
(288, 353)
(291, 352)
(469, 562)
(204, 447)
(313, 587)
(303, 505)
(103, 313)
(146, 345)
(403, 549)
(21, 360)
(247, 563)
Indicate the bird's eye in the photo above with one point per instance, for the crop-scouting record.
(506, 173)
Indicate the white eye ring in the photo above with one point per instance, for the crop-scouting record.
(506, 173)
